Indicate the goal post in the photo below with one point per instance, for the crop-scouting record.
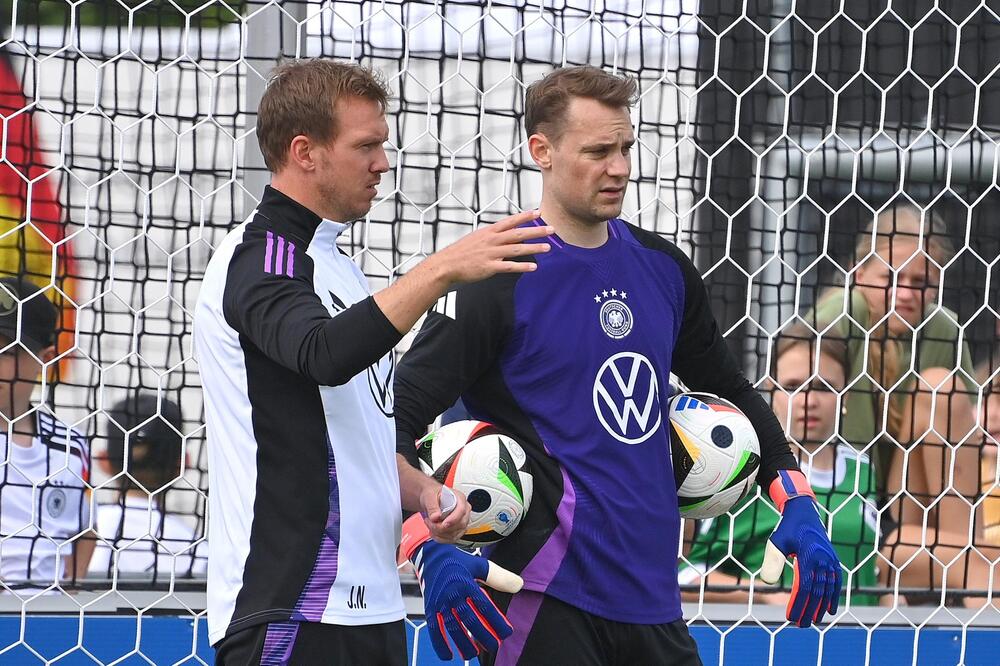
(768, 136)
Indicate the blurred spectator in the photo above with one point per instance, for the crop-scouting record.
(806, 400)
(903, 349)
(44, 464)
(991, 424)
(135, 533)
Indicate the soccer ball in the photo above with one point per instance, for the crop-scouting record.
(715, 452)
(489, 467)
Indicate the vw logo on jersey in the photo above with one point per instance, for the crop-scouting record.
(627, 399)
(379, 374)
(380, 383)
(55, 504)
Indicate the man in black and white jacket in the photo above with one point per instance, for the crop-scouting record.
(295, 355)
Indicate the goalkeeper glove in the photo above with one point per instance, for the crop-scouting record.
(801, 536)
(453, 601)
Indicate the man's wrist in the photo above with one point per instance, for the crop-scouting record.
(435, 270)
(789, 484)
(413, 483)
(415, 534)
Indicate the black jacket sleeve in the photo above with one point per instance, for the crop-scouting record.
(284, 318)
(702, 360)
(459, 340)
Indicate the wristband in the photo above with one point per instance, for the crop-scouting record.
(790, 483)
(415, 534)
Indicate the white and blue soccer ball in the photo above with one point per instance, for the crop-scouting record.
(715, 453)
(488, 467)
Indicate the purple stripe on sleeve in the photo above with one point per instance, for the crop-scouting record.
(316, 593)
(543, 566)
(521, 613)
(279, 257)
(278, 643)
(267, 252)
(611, 228)
(290, 261)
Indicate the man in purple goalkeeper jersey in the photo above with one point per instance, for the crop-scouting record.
(573, 360)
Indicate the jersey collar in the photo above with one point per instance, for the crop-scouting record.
(327, 233)
(27, 453)
(287, 215)
(334, 228)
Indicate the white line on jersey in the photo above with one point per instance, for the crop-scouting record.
(446, 305)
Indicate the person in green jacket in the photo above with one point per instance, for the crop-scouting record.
(911, 395)
(810, 375)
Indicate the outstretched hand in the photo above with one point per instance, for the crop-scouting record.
(492, 249)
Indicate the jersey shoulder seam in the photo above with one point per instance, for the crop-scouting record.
(653, 241)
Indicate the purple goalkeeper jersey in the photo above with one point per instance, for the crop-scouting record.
(573, 360)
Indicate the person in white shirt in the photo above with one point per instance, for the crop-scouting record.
(136, 534)
(44, 465)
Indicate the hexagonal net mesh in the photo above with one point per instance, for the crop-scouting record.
(831, 167)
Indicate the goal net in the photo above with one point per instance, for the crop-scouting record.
(770, 137)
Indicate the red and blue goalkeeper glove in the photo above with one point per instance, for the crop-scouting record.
(800, 535)
(454, 603)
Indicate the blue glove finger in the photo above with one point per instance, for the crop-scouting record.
(798, 615)
(828, 588)
(817, 599)
(458, 635)
(838, 582)
(435, 625)
(483, 605)
(481, 632)
(801, 587)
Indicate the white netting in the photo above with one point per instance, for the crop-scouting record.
(769, 135)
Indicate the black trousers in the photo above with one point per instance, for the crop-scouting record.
(549, 632)
(314, 644)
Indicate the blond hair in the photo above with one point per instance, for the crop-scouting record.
(901, 222)
(799, 333)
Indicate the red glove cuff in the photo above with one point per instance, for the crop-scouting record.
(415, 534)
(790, 483)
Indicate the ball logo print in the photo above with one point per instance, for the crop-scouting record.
(626, 398)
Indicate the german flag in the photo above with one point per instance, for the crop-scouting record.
(32, 220)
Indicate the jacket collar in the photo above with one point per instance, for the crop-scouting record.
(288, 216)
